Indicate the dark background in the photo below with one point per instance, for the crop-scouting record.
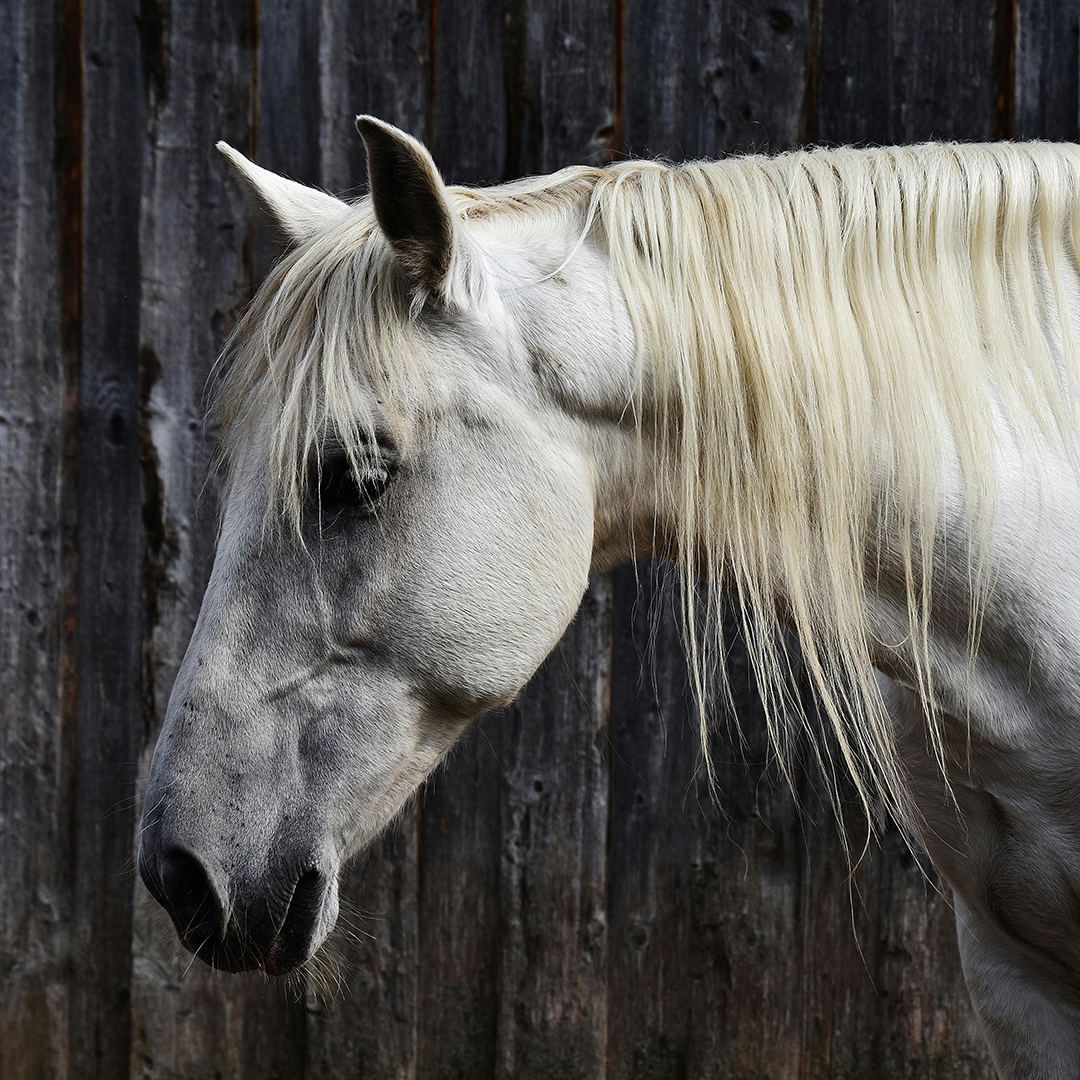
(562, 902)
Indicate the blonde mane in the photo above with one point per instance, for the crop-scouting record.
(817, 334)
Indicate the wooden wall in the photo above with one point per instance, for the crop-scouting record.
(562, 902)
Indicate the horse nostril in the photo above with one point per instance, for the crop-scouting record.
(190, 898)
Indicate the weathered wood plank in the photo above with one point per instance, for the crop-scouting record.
(892, 75)
(376, 59)
(196, 273)
(468, 135)
(287, 139)
(35, 368)
(553, 877)
(742, 943)
(753, 76)
(289, 105)
(287, 108)
(703, 905)
(111, 547)
(906, 71)
(663, 57)
(855, 90)
(942, 70)
(367, 1028)
(704, 78)
(736, 935)
(458, 888)
(459, 911)
(561, 61)
(1047, 70)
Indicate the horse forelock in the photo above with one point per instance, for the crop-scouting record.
(338, 326)
(328, 334)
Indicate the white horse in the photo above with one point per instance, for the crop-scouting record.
(841, 384)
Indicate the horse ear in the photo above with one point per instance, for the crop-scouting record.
(301, 212)
(410, 200)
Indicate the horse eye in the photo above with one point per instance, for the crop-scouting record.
(342, 488)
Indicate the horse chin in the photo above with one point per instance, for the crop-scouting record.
(285, 955)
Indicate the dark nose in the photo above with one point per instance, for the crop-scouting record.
(272, 925)
(183, 886)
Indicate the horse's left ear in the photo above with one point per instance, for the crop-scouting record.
(410, 200)
(301, 212)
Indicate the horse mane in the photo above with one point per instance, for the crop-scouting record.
(817, 332)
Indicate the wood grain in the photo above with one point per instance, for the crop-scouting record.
(907, 71)
(35, 732)
(374, 59)
(553, 872)
(194, 243)
(458, 888)
(111, 545)
(1047, 70)
(469, 111)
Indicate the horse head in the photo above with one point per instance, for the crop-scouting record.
(417, 489)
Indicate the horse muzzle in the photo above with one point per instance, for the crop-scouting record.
(275, 923)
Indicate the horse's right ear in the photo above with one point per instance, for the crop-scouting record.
(301, 212)
(409, 199)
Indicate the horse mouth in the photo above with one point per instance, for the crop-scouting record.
(256, 943)
(295, 941)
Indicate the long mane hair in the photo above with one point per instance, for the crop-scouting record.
(816, 335)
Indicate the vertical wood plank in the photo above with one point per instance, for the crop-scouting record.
(561, 60)
(1047, 70)
(195, 234)
(111, 545)
(715, 77)
(735, 933)
(458, 903)
(703, 904)
(753, 75)
(35, 751)
(468, 135)
(942, 70)
(367, 1028)
(656, 835)
(288, 87)
(704, 901)
(663, 59)
(289, 141)
(856, 88)
(897, 74)
(458, 887)
(906, 71)
(374, 58)
(287, 105)
(552, 976)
